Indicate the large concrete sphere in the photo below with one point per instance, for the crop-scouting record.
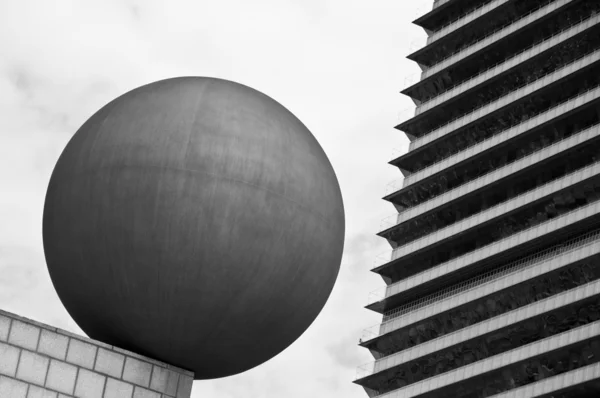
(196, 221)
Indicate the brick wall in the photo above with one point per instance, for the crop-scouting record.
(39, 361)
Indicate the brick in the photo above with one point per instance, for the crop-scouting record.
(137, 356)
(61, 377)
(140, 392)
(137, 372)
(110, 363)
(84, 339)
(117, 389)
(32, 368)
(164, 380)
(9, 359)
(24, 335)
(28, 321)
(53, 345)
(4, 327)
(39, 392)
(89, 384)
(185, 387)
(12, 388)
(81, 354)
(180, 371)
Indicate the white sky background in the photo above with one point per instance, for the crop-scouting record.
(336, 64)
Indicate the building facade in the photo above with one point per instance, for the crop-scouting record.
(493, 280)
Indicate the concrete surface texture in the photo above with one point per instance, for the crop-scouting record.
(40, 361)
(196, 221)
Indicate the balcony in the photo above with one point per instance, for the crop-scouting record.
(495, 20)
(573, 384)
(427, 155)
(497, 104)
(555, 113)
(496, 363)
(444, 12)
(464, 19)
(505, 171)
(486, 252)
(535, 289)
(526, 20)
(379, 299)
(505, 338)
(491, 214)
(480, 329)
(430, 241)
(422, 88)
(482, 286)
(511, 63)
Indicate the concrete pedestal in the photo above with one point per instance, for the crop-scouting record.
(40, 361)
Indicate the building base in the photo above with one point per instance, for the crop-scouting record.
(40, 361)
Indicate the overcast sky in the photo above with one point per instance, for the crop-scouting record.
(338, 65)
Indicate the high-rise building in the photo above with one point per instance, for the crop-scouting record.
(493, 281)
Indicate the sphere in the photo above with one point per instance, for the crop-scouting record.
(195, 221)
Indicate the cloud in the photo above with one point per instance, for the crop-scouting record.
(337, 64)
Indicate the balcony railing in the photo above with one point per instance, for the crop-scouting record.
(496, 210)
(546, 387)
(498, 361)
(501, 32)
(460, 21)
(508, 275)
(415, 78)
(510, 63)
(517, 129)
(487, 251)
(498, 103)
(501, 208)
(477, 147)
(501, 172)
(388, 291)
(479, 329)
(493, 275)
